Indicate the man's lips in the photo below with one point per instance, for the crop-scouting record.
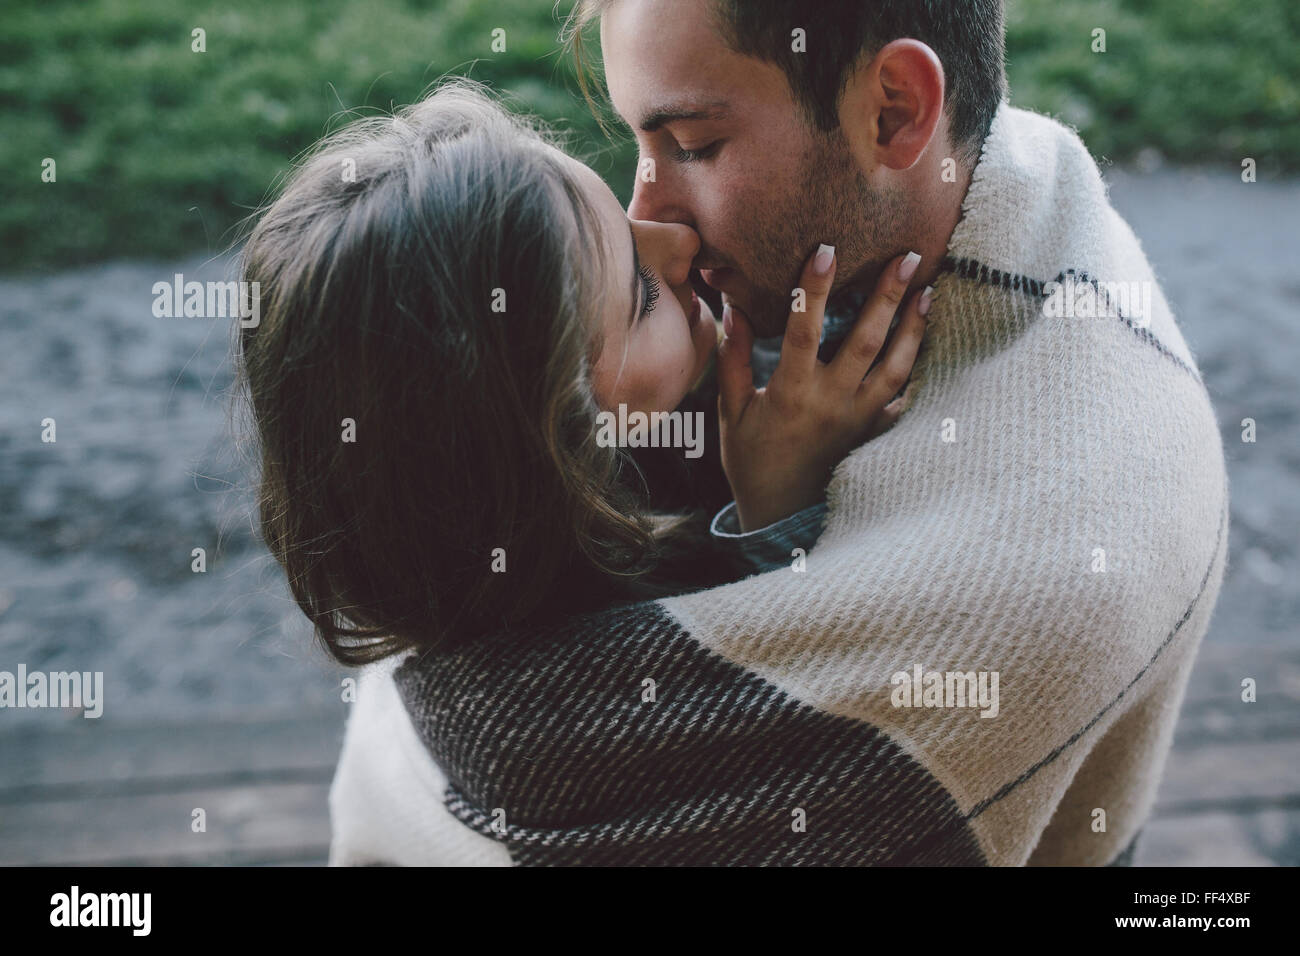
(715, 277)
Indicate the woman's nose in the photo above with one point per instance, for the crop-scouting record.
(667, 247)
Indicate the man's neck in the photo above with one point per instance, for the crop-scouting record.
(943, 215)
(934, 217)
(937, 216)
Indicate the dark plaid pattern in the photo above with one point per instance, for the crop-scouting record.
(549, 748)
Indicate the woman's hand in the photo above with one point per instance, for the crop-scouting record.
(780, 443)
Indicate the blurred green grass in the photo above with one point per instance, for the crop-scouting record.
(1195, 81)
(161, 151)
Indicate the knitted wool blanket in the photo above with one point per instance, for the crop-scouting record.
(980, 662)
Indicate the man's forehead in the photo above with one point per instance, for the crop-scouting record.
(649, 20)
(660, 69)
(652, 100)
(657, 62)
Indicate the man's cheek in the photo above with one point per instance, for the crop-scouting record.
(733, 233)
(726, 208)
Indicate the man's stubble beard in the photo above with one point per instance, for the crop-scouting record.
(833, 204)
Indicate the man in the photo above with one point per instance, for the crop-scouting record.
(982, 658)
(773, 126)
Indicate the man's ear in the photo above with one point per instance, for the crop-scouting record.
(892, 106)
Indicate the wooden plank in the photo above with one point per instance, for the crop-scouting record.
(1239, 774)
(1264, 838)
(1219, 670)
(1231, 721)
(96, 757)
(277, 823)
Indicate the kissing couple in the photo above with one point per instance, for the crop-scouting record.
(575, 652)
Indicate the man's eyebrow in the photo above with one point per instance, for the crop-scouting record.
(636, 279)
(663, 115)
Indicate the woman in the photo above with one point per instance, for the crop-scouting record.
(448, 302)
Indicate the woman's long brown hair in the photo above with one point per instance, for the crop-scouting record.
(427, 277)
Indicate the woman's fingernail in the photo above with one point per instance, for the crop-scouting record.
(927, 299)
(907, 268)
(822, 261)
(726, 320)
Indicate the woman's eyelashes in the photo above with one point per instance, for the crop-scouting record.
(650, 290)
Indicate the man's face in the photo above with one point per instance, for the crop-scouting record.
(725, 148)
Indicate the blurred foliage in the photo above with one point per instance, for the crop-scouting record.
(1191, 81)
(161, 151)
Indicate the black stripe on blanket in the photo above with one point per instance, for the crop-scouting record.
(549, 748)
(1078, 735)
(979, 272)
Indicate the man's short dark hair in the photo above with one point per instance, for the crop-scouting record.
(967, 36)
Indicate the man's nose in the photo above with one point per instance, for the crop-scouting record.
(654, 199)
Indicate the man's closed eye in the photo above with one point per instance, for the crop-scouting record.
(683, 155)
